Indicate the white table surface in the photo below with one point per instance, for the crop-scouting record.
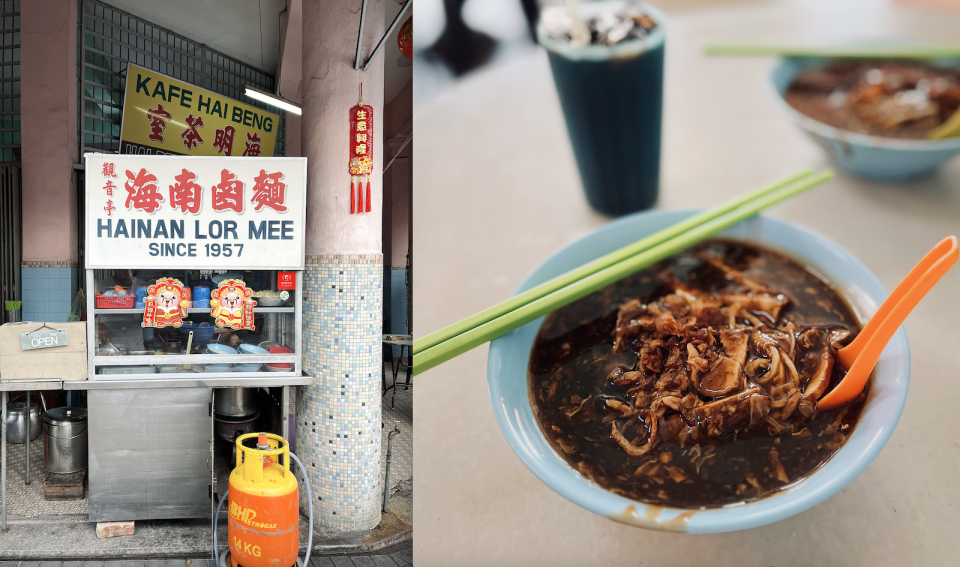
(497, 191)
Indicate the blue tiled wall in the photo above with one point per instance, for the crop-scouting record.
(395, 302)
(47, 293)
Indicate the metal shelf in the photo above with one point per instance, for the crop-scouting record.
(168, 359)
(31, 385)
(242, 380)
(256, 310)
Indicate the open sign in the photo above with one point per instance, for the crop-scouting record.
(43, 338)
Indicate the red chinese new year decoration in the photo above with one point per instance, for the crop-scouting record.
(405, 38)
(361, 154)
(166, 304)
(231, 305)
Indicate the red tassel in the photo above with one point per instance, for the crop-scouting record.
(360, 195)
(368, 194)
(353, 202)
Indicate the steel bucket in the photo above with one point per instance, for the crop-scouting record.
(235, 402)
(65, 440)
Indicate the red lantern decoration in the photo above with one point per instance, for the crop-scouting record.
(361, 154)
(405, 38)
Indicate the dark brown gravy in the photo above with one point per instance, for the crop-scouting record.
(708, 452)
(892, 99)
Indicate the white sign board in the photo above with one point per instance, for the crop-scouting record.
(195, 212)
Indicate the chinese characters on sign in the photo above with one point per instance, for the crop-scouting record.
(158, 122)
(361, 155)
(223, 140)
(268, 190)
(228, 194)
(198, 212)
(253, 145)
(142, 191)
(190, 136)
(186, 194)
(109, 186)
(164, 116)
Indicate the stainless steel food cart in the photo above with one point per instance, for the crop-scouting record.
(152, 413)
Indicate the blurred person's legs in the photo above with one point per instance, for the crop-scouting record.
(460, 48)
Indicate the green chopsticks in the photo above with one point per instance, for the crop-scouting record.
(451, 341)
(880, 51)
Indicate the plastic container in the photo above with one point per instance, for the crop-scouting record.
(202, 332)
(201, 293)
(115, 301)
(280, 366)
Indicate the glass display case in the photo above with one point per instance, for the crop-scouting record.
(212, 246)
(123, 346)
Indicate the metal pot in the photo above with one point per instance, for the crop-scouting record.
(229, 429)
(17, 421)
(65, 440)
(235, 402)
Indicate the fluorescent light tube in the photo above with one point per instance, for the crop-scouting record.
(272, 100)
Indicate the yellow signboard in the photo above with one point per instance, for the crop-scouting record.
(162, 115)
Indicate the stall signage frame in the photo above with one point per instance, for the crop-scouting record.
(164, 116)
(192, 212)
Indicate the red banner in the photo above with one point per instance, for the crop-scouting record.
(361, 155)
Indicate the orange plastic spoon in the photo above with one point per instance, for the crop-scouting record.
(860, 356)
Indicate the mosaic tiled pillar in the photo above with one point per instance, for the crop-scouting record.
(338, 418)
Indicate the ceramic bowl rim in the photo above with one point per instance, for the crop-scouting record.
(253, 349)
(884, 408)
(825, 130)
(213, 347)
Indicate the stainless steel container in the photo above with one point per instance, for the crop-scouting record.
(235, 402)
(17, 421)
(65, 440)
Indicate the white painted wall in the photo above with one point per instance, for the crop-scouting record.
(330, 87)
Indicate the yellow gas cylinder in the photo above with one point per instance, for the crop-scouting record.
(264, 524)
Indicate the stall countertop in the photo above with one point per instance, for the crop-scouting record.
(144, 384)
(150, 383)
(31, 385)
